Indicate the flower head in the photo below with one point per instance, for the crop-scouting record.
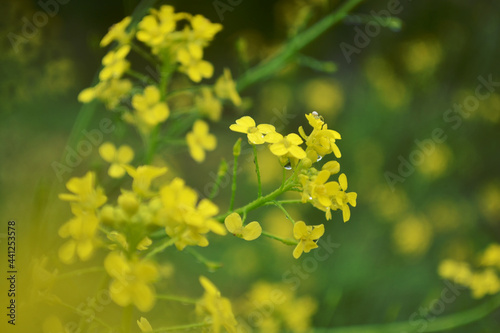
(307, 236)
(86, 196)
(118, 32)
(154, 29)
(288, 145)
(225, 88)
(249, 232)
(115, 64)
(256, 134)
(217, 308)
(117, 157)
(143, 176)
(208, 105)
(81, 230)
(149, 110)
(193, 65)
(199, 140)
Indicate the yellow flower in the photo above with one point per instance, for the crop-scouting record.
(115, 64)
(321, 141)
(288, 145)
(458, 272)
(144, 325)
(132, 280)
(343, 198)
(155, 28)
(225, 88)
(144, 244)
(143, 176)
(249, 232)
(118, 33)
(491, 256)
(217, 308)
(129, 202)
(86, 196)
(117, 157)
(318, 189)
(484, 283)
(307, 236)
(82, 229)
(203, 29)
(199, 140)
(110, 92)
(256, 134)
(193, 65)
(208, 105)
(149, 110)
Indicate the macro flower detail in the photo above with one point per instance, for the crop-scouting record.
(225, 88)
(193, 65)
(81, 230)
(132, 281)
(199, 140)
(86, 196)
(110, 92)
(343, 199)
(256, 134)
(155, 28)
(215, 309)
(143, 176)
(288, 145)
(115, 64)
(144, 325)
(208, 105)
(149, 110)
(249, 232)
(117, 157)
(118, 33)
(307, 237)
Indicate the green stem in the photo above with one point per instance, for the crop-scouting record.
(177, 299)
(145, 54)
(284, 178)
(286, 241)
(80, 272)
(297, 201)
(166, 243)
(140, 76)
(259, 192)
(268, 68)
(277, 204)
(445, 323)
(180, 327)
(221, 172)
(211, 265)
(152, 143)
(236, 154)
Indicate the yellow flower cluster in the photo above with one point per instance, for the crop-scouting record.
(481, 282)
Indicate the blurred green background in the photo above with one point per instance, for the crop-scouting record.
(394, 91)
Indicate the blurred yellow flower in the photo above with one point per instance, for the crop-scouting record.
(199, 140)
(456, 271)
(144, 325)
(225, 88)
(484, 283)
(491, 256)
(208, 105)
(110, 92)
(307, 236)
(82, 229)
(143, 176)
(343, 198)
(115, 64)
(217, 308)
(412, 236)
(436, 162)
(132, 280)
(86, 196)
(256, 134)
(249, 232)
(193, 65)
(314, 93)
(118, 33)
(149, 110)
(154, 29)
(117, 157)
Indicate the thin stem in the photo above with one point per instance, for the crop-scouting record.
(277, 204)
(177, 299)
(166, 243)
(284, 178)
(293, 201)
(80, 272)
(180, 327)
(236, 154)
(221, 172)
(145, 54)
(259, 192)
(152, 143)
(140, 76)
(286, 241)
(211, 265)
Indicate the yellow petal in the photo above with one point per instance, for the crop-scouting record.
(144, 325)
(233, 223)
(299, 230)
(317, 231)
(125, 154)
(297, 152)
(343, 181)
(278, 149)
(294, 139)
(116, 171)
(67, 252)
(107, 151)
(251, 231)
(297, 252)
(246, 121)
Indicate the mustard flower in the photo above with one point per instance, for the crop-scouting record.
(117, 157)
(199, 140)
(217, 308)
(484, 283)
(321, 141)
(118, 32)
(193, 65)
(204, 30)
(249, 232)
(256, 134)
(132, 280)
(149, 110)
(491, 256)
(143, 176)
(115, 64)
(307, 236)
(110, 92)
(343, 198)
(288, 145)
(82, 229)
(86, 196)
(144, 325)
(458, 272)
(208, 105)
(225, 88)
(318, 188)
(155, 28)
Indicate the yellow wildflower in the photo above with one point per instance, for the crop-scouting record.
(321, 141)
(144, 244)
(115, 64)
(144, 325)
(307, 236)
(491, 256)
(204, 30)
(249, 232)
(132, 280)
(458, 272)
(316, 188)
(193, 65)
(256, 134)
(199, 140)
(86, 196)
(288, 145)
(143, 176)
(82, 229)
(117, 239)
(343, 199)
(484, 283)
(225, 88)
(208, 105)
(110, 92)
(217, 308)
(118, 33)
(149, 110)
(117, 157)
(155, 27)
